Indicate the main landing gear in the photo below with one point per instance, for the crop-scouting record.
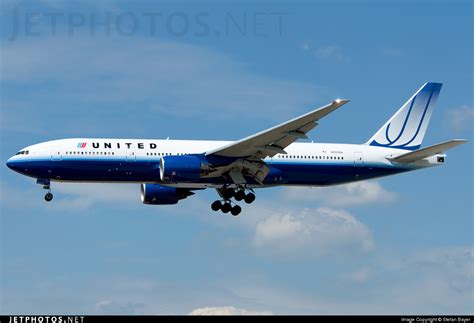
(226, 205)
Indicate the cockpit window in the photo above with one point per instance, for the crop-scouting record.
(22, 152)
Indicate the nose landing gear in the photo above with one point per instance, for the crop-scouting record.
(48, 197)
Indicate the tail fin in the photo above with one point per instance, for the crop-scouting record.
(407, 127)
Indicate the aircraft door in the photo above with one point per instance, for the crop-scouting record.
(130, 155)
(358, 159)
(56, 154)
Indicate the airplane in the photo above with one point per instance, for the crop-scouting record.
(171, 170)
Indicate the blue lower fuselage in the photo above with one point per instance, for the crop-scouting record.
(146, 171)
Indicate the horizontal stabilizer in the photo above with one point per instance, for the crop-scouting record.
(428, 151)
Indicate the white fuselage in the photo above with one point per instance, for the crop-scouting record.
(137, 160)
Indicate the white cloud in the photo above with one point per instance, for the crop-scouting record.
(326, 52)
(295, 228)
(91, 76)
(392, 52)
(116, 308)
(312, 233)
(305, 46)
(359, 276)
(82, 196)
(70, 197)
(331, 52)
(226, 310)
(427, 281)
(440, 280)
(358, 193)
(456, 261)
(422, 281)
(461, 118)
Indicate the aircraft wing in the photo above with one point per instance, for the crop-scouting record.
(274, 140)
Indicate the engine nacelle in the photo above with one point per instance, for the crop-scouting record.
(182, 169)
(158, 194)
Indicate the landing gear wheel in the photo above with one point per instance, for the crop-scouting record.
(228, 194)
(236, 210)
(249, 198)
(216, 205)
(239, 195)
(226, 207)
(48, 197)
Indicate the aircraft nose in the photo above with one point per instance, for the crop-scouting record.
(14, 164)
(10, 163)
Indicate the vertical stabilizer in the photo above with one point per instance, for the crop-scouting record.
(407, 127)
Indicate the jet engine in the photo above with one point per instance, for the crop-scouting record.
(182, 169)
(159, 195)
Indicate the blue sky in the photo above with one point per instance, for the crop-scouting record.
(400, 244)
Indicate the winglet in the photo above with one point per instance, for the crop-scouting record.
(340, 101)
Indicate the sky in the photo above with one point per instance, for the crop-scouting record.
(225, 70)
